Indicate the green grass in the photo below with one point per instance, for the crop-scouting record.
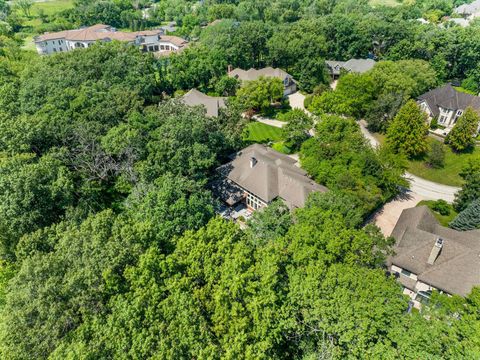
(261, 133)
(51, 7)
(466, 91)
(384, 3)
(442, 219)
(281, 147)
(449, 174)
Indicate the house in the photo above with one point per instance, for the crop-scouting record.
(430, 257)
(67, 40)
(257, 175)
(353, 65)
(289, 84)
(468, 11)
(212, 104)
(447, 104)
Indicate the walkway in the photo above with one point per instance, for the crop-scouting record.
(271, 122)
(427, 189)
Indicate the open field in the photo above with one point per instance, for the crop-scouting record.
(261, 133)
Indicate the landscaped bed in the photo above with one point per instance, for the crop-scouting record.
(434, 206)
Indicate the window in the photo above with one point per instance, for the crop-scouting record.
(423, 297)
(442, 118)
(459, 113)
(156, 47)
(162, 47)
(405, 273)
(254, 202)
(61, 48)
(54, 50)
(167, 47)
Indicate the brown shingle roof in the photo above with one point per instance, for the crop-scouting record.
(274, 175)
(456, 269)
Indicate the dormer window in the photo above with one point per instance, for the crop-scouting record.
(459, 113)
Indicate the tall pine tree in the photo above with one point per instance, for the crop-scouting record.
(461, 137)
(469, 218)
(408, 132)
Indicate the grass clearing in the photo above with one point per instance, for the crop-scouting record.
(262, 133)
(51, 7)
(442, 219)
(384, 3)
(450, 173)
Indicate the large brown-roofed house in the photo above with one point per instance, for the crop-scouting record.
(429, 256)
(212, 104)
(67, 40)
(353, 65)
(258, 175)
(289, 85)
(447, 104)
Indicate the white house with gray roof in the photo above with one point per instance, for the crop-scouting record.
(257, 175)
(212, 104)
(431, 257)
(289, 84)
(447, 104)
(353, 65)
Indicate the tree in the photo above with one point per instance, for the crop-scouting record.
(296, 131)
(260, 94)
(436, 155)
(227, 86)
(25, 6)
(469, 218)
(408, 132)
(33, 193)
(470, 190)
(462, 136)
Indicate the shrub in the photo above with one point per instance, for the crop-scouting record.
(442, 207)
(436, 155)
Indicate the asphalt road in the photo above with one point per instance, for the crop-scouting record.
(426, 189)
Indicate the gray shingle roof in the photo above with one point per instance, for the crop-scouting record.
(447, 97)
(254, 74)
(468, 9)
(456, 269)
(273, 175)
(353, 65)
(211, 103)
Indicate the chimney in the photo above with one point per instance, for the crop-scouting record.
(229, 69)
(253, 162)
(435, 251)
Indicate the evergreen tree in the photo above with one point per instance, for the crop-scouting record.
(408, 132)
(461, 138)
(469, 218)
(470, 190)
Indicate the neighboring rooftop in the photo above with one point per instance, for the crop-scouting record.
(106, 32)
(254, 74)
(468, 9)
(448, 97)
(211, 103)
(268, 174)
(352, 65)
(455, 268)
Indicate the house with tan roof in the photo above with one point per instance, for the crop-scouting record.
(358, 66)
(258, 175)
(212, 104)
(431, 257)
(289, 84)
(146, 40)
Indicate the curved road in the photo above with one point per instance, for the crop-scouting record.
(425, 188)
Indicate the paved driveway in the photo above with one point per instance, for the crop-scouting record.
(388, 215)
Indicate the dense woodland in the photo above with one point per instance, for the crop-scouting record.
(110, 246)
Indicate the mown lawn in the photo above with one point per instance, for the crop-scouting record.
(449, 174)
(261, 133)
(384, 3)
(51, 7)
(442, 219)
